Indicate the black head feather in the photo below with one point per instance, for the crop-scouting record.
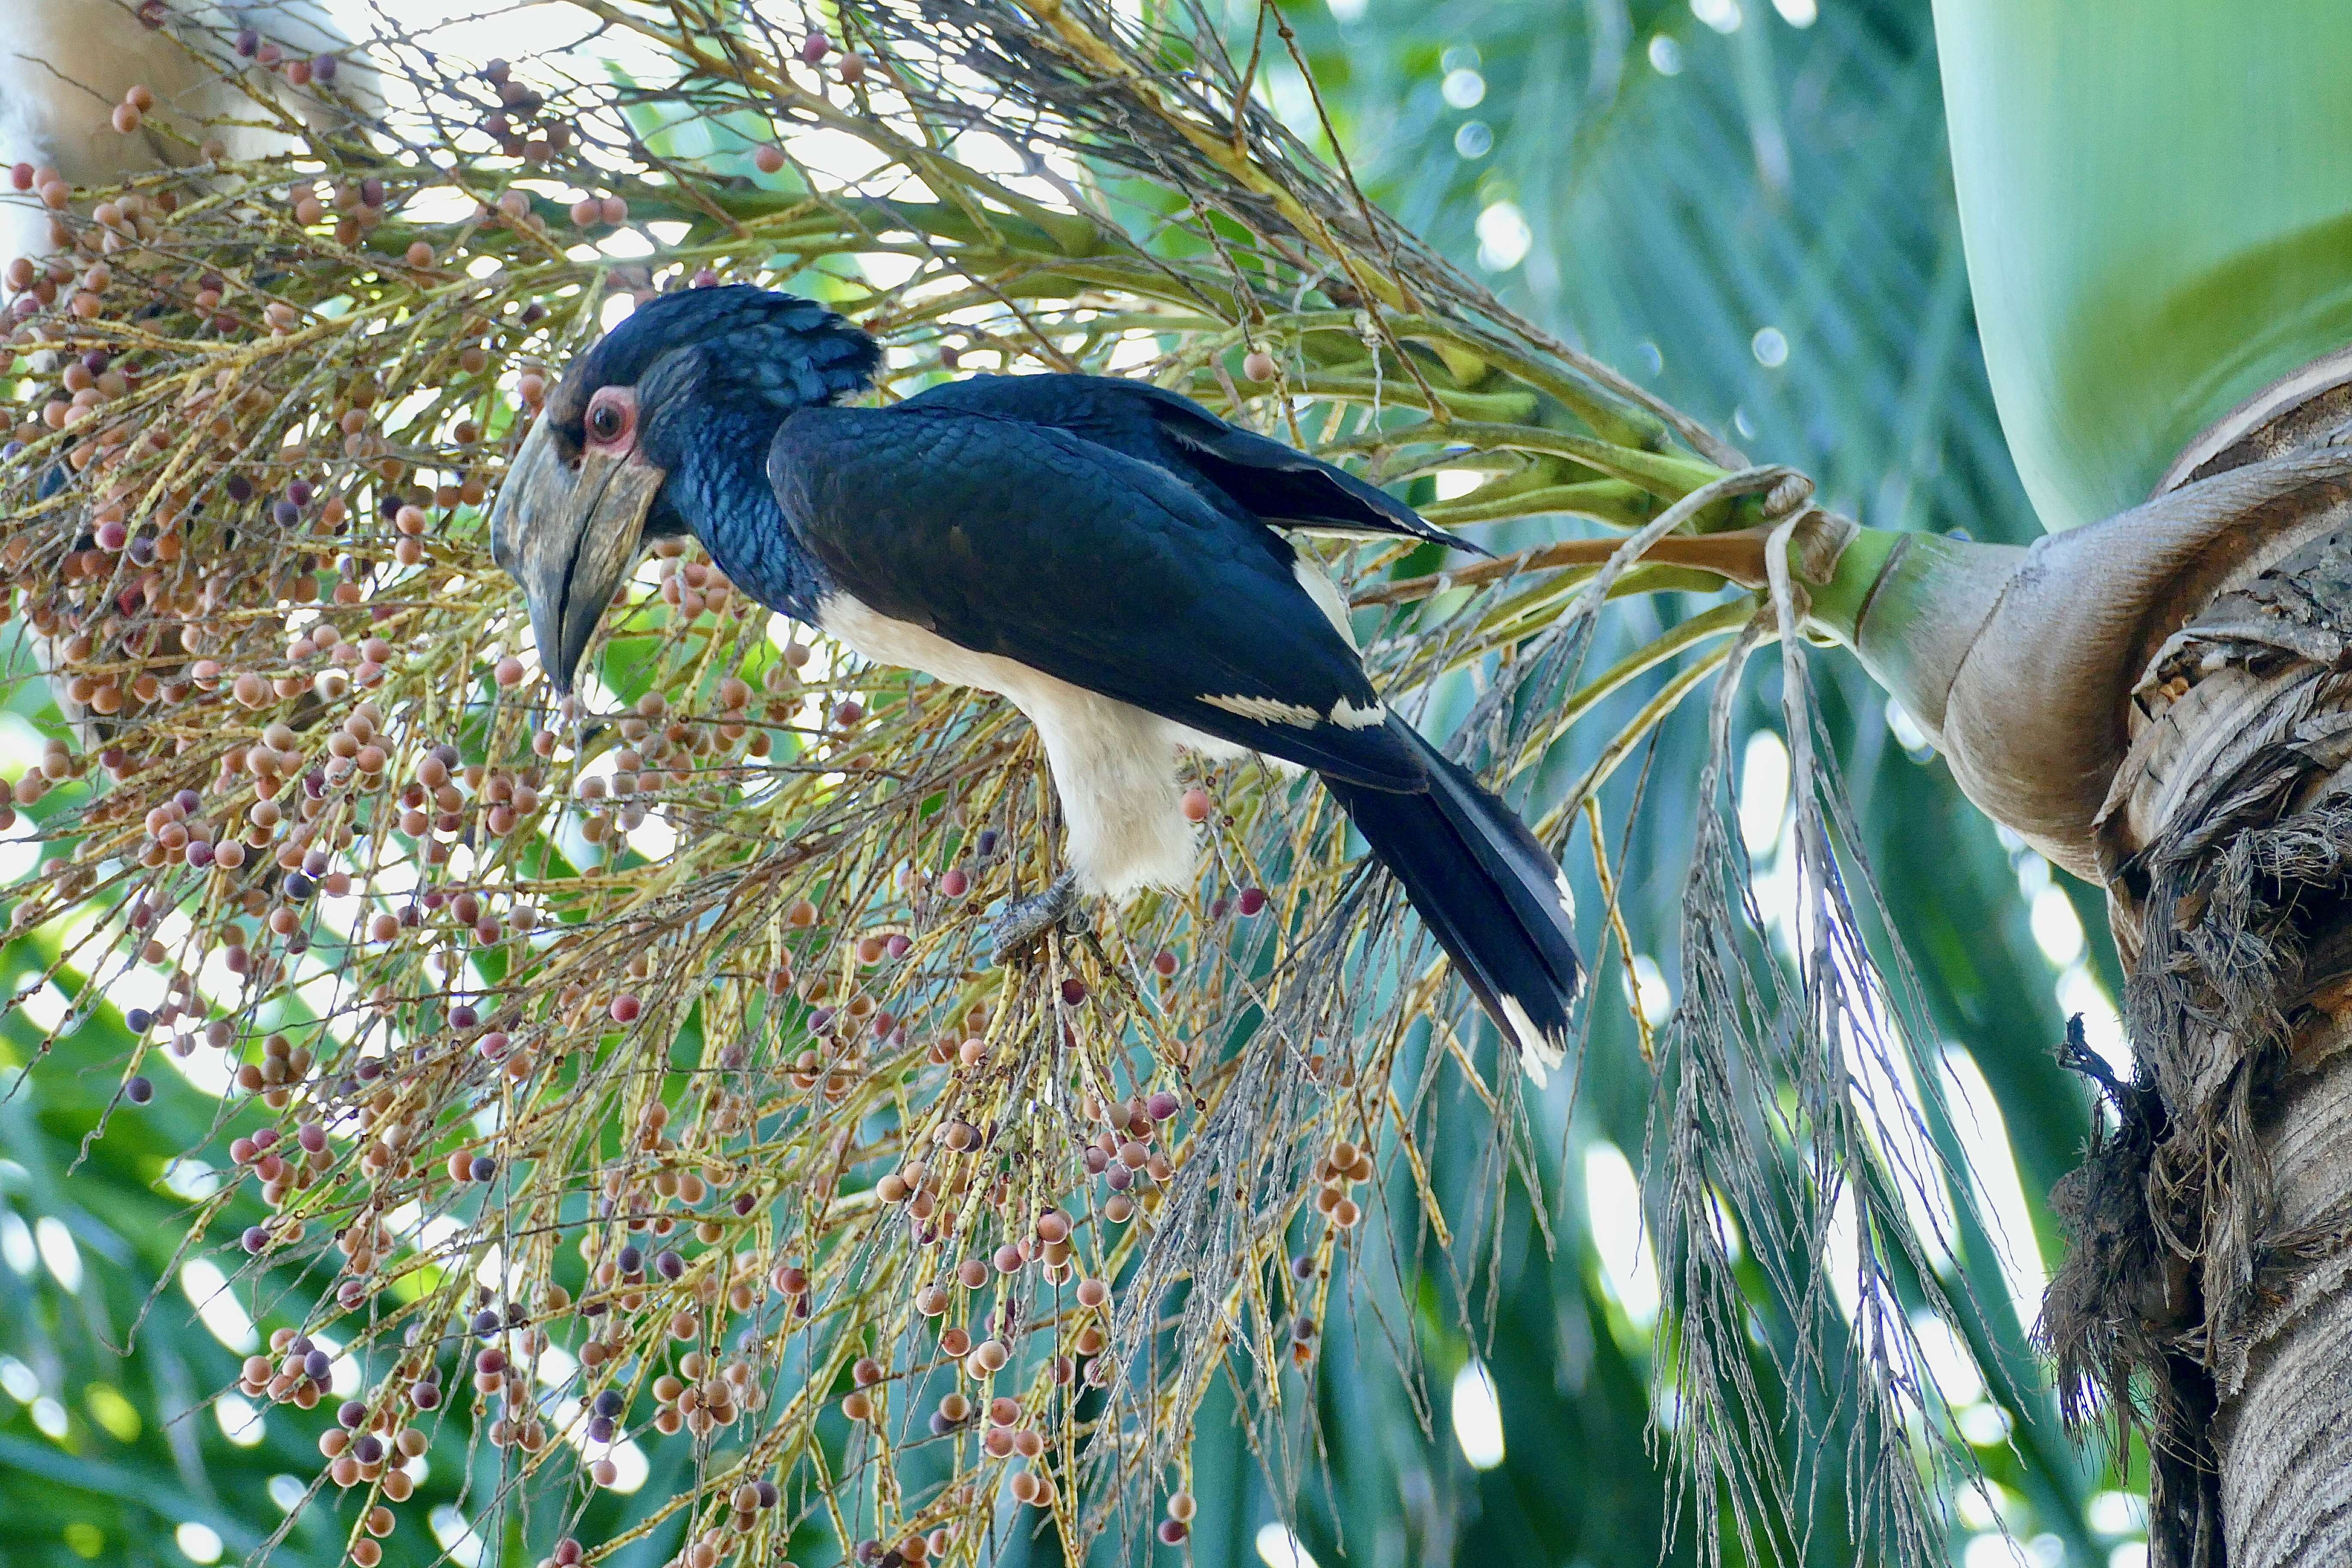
(769, 348)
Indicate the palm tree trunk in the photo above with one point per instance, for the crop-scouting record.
(2283, 1435)
(2207, 1287)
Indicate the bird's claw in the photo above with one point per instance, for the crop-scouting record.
(1025, 920)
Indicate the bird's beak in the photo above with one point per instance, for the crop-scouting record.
(569, 535)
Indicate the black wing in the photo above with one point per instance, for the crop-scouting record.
(1096, 568)
(1228, 466)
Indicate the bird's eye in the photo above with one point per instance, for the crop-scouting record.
(604, 422)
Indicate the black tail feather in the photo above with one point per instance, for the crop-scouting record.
(1490, 893)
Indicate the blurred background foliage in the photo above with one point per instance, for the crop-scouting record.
(1747, 206)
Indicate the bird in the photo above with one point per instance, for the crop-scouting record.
(1101, 552)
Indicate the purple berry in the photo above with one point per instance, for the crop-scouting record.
(138, 1090)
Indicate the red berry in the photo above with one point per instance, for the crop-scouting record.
(955, 884)
(626, 1009)
(1252, 900)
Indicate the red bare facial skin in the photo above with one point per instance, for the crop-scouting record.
(609, 424)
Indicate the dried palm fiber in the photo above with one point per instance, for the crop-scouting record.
(2159, 701)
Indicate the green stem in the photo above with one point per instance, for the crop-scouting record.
(1838, 603)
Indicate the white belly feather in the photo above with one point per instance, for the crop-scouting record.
(1114, 765)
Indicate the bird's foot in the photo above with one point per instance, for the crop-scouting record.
(1017, 929)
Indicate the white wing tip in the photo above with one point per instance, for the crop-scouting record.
(1539, 1050)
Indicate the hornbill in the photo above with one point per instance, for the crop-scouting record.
(1099, 552)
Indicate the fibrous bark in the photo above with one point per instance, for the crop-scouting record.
(2204, 1295)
